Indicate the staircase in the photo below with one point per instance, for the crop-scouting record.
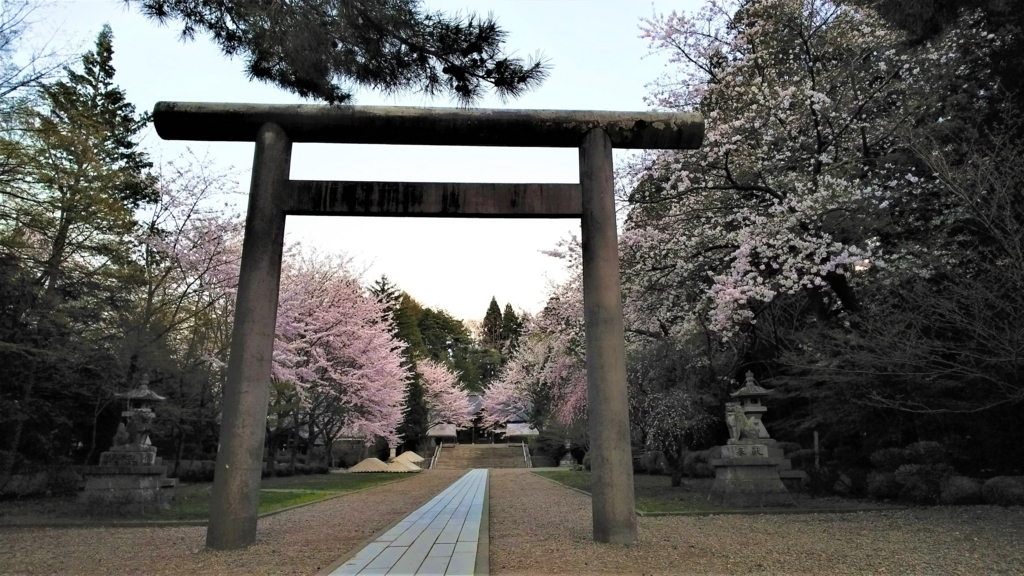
(466, 456)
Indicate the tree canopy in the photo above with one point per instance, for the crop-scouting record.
(324, 48)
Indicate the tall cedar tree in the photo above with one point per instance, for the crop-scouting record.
(511, 327)
(492, 325)
(91, 174)
(322, 48)
(74, 215)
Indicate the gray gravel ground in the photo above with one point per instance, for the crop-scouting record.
(538, 527)
(297, 542)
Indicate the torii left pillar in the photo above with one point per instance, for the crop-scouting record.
(234, 504)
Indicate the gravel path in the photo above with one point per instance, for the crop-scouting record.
(298, 542)
(538, 527)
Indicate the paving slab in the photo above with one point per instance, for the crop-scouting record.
(437, 539)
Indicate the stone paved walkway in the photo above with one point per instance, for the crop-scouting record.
(439, 538)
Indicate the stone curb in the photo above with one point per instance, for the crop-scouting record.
(746, 512)
(482, 567)
(170, 523)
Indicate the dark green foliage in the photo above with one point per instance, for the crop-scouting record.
(492, 325)
(1004, 491)
(697, 464)
(413, 429)
(320, 48)
(917, 473)
(922, 483)
(883, 485)
(67, 267)
(960, 490)
(511, 329)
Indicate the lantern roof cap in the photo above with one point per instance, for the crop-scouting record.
(750, 388)
(141, 393)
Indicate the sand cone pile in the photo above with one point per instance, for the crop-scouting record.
(369, 465)
(402, 466)
(410, 457)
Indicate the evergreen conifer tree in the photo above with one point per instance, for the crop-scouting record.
(511, 327)
(322, 48)
(492, 325)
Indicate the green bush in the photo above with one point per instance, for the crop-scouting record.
(922, 483)
(888, 459)
(1004, 491)
(960, 490)
(926, 453)
(883, 485)
(822, 480)
(651, 462)
(63, 482)
(697, 464)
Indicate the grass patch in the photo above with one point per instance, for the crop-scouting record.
(193, 502)
(656, 493)
(652, 493)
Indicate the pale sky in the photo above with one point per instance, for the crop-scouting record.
(598, 63)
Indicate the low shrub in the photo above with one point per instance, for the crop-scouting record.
(63, 482)
(1004, 491)
(822, 480)
(852, 482)
(697, 464)
(586, 461)
(651, 462)
(958, 490)
(888, 459)
(922, 483)
(883, 485)
(926, 453)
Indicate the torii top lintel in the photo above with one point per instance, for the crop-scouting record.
(426, 126)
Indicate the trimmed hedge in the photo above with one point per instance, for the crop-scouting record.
(1004, 491)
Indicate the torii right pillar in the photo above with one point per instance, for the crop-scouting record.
(607, 398)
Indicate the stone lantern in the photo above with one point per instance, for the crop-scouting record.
(130, 479)
(749, 397)
(751, 466)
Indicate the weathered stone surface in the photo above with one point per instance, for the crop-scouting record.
(125, 458)
(745, 451)
(308, 197)
(125, 490)
(426, 126)
(746, 482)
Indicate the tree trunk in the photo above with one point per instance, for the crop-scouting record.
(295, 439)
(14, 442)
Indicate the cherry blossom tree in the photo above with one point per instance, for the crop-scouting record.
(446, 400)
(334, 344)
(797, 181)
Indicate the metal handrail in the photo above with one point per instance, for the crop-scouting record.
(526, 456)
(437, 451)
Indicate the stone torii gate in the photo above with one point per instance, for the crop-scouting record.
(273, 196)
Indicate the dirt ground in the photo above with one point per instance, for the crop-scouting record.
(301, 541)
(539, 527)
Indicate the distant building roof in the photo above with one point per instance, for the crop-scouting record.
(520, 429)
(476, 402)
(442, 431)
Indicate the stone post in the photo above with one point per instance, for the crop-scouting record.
(611, 457)
(234, 504)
